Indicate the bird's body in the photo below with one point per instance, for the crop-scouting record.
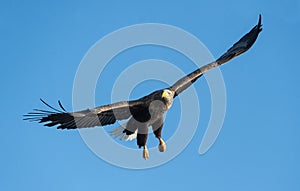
(141, 113)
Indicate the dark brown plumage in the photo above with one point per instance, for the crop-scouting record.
(142, 113)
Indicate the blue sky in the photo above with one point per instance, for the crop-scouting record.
(42, 44)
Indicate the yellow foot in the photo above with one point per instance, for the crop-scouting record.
(145, 153)
(162, 145)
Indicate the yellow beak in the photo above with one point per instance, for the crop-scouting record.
(164, 95)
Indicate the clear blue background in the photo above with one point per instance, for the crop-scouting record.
(42, 44)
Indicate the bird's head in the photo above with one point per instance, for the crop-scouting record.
(167, 95)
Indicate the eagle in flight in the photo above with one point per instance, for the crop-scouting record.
(142, 113)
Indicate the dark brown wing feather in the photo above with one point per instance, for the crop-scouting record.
(238, 48)
(99, 116)
(243, 44)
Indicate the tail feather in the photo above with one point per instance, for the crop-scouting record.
(121, 133)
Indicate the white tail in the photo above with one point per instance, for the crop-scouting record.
(118, 132)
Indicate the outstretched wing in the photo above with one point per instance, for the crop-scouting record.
(238, 48)
(242, 45)
(99, 116)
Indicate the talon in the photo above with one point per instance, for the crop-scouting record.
(145, 153)
(162, 145)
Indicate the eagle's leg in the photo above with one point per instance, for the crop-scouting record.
(162, 145)
(142, 140)
(145, 153)
(157, 127)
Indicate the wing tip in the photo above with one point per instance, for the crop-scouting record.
(259, 25)
(42, 116)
